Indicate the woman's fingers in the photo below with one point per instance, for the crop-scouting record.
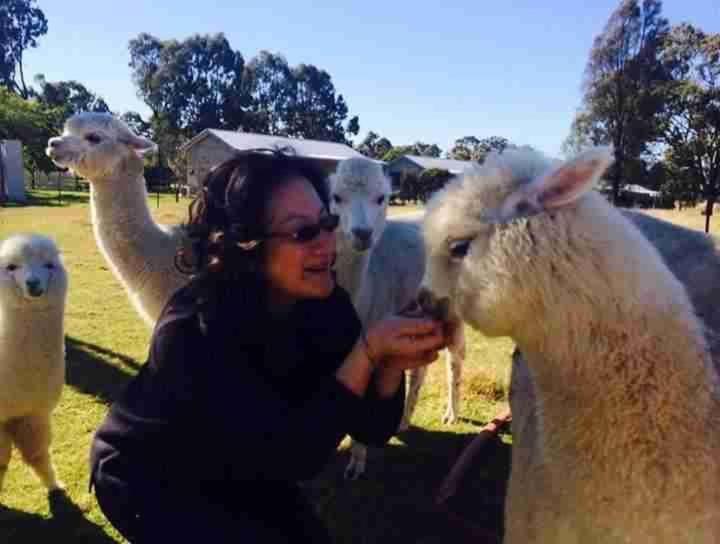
(434, 341)
(418, 326)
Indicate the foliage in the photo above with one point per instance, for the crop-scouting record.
(192, 84)
(621, 77)
(374, 146)
(21, 24)
(268, 81)
(69, 97)
(691, 118)
(31, 122)
(418, 148)
(470, 148)
(430, 181)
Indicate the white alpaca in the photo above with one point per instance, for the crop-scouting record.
(33, 288)
(381, 264)
(622, 443)
(141, 253)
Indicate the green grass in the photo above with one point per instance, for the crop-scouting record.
(107, 343)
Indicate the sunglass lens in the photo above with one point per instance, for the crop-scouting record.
(307, 233)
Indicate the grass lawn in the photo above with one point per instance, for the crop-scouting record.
(107, 343)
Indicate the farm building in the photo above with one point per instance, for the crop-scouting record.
(414, 165)
(12, 174)
(211, 147)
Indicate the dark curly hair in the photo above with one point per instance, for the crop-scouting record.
(229, 210)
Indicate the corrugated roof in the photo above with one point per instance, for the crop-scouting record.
(450, 165)
(634, 188)
(314, 149)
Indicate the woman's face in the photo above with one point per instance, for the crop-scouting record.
(296, 270)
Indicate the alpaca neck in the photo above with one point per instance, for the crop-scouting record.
(36, 329)
(125, 230)
(351, 268)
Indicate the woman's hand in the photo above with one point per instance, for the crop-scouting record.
(402, 343)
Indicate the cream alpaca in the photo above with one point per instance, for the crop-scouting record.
(33, 288)
(381, 264)
(622, 442)
(140, 252)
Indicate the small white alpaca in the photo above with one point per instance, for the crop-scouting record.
(140, 252)
(33, 289)
(380, 262)
(622, 443)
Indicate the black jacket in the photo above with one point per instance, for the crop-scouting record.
(217, 415)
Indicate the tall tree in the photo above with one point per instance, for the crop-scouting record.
(317, 111)
(418, 148)
(584, 133)
(138, 125)
(471, 148)
(620, 77)
(68, 96)
(21, 24)
(374, 146)
(33, 124)
(691, 119)
(194, 84)
(188, 85)
(270, 84)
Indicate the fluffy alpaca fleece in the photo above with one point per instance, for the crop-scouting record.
(621, 443)
(33, 288)
(381, 263)
(103, 150)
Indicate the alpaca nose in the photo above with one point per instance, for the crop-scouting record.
(362, 235)
(33, 286)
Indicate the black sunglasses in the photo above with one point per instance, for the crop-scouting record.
(303, 235)
(308, 233)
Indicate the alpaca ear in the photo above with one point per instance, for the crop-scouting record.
(142, 146)
(559, 187)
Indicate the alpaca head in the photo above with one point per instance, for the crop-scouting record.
(487, 231)
(98, 146)
(359, 194)
(32, 273)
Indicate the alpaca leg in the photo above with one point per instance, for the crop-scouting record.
(415, 379)
(358, 461)
(5, 451)
(454, 359)
(32, 436)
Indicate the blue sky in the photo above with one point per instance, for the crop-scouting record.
(412, 71)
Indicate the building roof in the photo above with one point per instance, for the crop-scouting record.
(313, 149)
(639, 189)
(451, 165)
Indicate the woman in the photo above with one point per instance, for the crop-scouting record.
(257, 369)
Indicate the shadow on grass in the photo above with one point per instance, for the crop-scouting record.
(66, 524)
(89, 371)
(50, 199)
(394, 502)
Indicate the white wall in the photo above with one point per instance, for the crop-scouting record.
(11, 157)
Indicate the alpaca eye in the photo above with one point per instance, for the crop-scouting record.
(11, 267)
(50, 266)
(93, 138)
(337, 199)
(459, 249)
(380, 200)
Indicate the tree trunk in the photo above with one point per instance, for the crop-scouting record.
(617, 177)
(708, 212)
